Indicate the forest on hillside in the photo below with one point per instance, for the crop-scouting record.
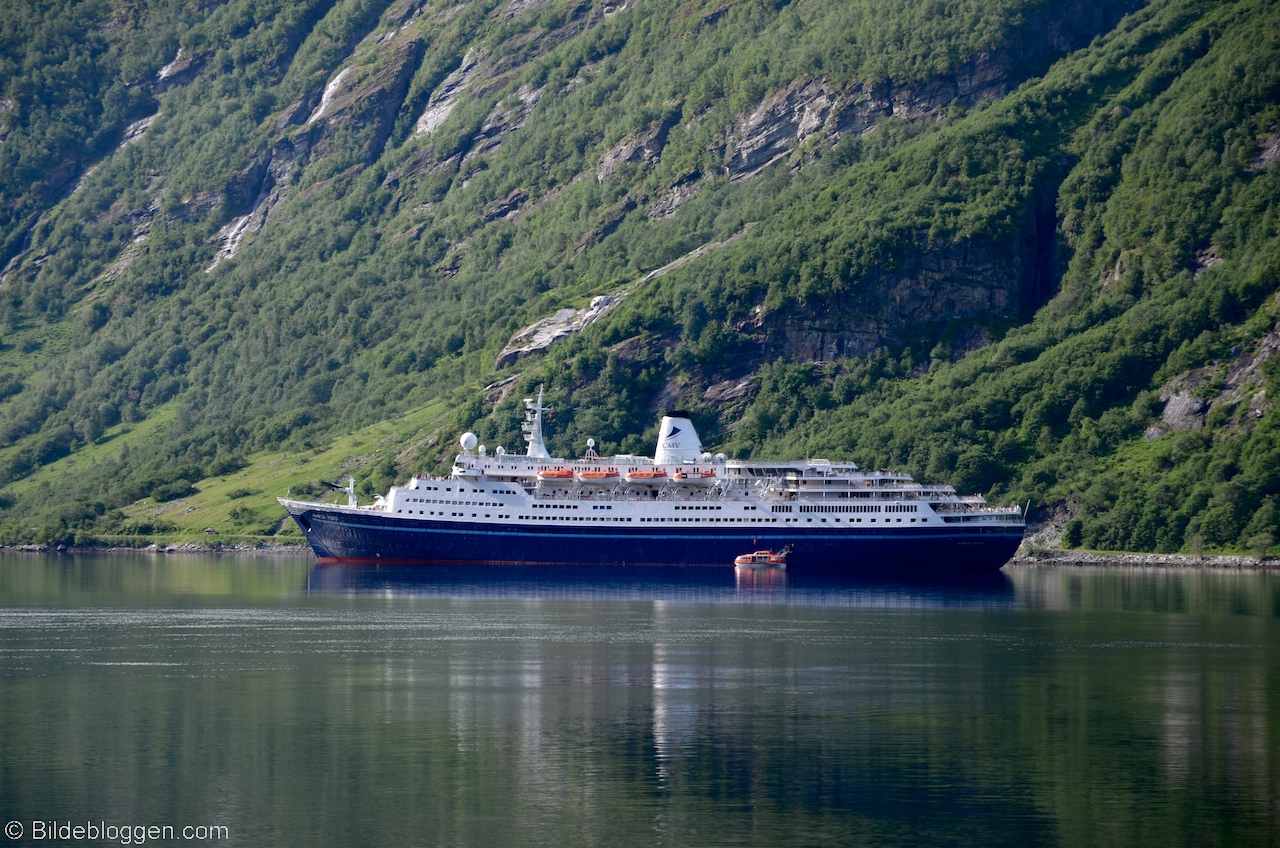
(1028, 249)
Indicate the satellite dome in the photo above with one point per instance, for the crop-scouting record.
(469, 442)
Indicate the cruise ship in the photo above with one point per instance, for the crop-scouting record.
(682, 506)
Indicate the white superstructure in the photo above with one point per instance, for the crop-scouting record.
(680, 485)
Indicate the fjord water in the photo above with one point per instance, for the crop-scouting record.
(295, 704)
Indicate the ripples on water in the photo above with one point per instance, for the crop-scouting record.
(309, 705)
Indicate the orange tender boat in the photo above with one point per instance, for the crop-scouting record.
(762, 559)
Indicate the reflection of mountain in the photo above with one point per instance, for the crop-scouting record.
(896, 588)
(437, 708)
(1235, 591)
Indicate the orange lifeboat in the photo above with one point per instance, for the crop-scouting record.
(602, 477)
(694, 477)
(650, 477)
(556, 476)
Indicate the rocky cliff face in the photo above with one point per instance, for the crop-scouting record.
(786, 118)
(1235, 388)
(969, 281)
(365, 101)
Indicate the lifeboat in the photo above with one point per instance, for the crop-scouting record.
(556, 477)
(694, 477)
(601, 477)
(762, 559)
(653, 477)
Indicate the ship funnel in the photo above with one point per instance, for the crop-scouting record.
(677, 440)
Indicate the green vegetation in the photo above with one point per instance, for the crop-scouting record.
(1121, 200)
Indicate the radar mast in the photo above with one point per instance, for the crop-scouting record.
(532, 427)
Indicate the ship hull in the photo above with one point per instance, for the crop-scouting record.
(352, 536)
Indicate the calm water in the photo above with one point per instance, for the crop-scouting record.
(298, 705)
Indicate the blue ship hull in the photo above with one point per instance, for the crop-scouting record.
(371, 537)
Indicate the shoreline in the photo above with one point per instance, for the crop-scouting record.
(1071, 559)
(156, 548)
(1077, 559)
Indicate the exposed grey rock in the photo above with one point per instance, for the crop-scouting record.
(1267, 153)
(496, 393)
(506, 207)
(506, 118)
(785, 118)
(6, 106)
(298, 112)
(445, 97)
(424, 160)
(612, 220)
(261, 189)
(1237, 384)
(515, 8)
(364, 98)
(677, 194)
(780, 121)
(331, 92)
(1118, 272)
(612, 7)
(643, 148)
(1183, 411)
(539, 335)
(728, 391)
(178, 72)
(1205, 259)
(402, 10)
(136, 130)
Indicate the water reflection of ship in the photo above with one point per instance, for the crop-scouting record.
(863, 588)
(760, 580)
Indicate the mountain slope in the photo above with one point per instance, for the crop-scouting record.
(933, 239)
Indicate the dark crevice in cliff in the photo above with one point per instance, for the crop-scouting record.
(1045, 268)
